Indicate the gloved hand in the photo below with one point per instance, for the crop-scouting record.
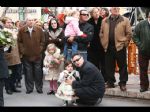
(83, 35)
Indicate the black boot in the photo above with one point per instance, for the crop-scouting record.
(18, 84)
(9, 92)
(16, 90)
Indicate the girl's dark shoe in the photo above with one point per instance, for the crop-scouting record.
(54, 92)
(50, 92)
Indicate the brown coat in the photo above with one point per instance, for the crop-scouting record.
(13, 57)
(123, 33)
(31, 47)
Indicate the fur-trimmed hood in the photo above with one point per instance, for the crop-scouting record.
(56, 54)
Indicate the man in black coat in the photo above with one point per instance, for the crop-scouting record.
(90, 88)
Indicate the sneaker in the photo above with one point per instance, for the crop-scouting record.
(65, 105)
(74, 104)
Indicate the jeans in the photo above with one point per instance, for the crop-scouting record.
(68, 53)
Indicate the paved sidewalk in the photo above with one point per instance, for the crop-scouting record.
(133, 87)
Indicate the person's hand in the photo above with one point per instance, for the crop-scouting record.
(57, 61)
(69, 81)
(46, 65)
(88, 45)
(70, 39)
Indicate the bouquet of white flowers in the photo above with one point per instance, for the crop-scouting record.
(6, 37)
(60, 58)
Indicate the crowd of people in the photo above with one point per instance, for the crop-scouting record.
(76, 52)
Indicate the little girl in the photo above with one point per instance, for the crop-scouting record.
(72, 29)
(52, 62)
(65, 91)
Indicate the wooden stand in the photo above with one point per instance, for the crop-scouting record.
(132, 61)
(132, 58)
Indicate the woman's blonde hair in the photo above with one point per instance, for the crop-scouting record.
(72, 12)
(4, 19)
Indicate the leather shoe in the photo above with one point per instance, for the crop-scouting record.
(110, 85)
(28, 92)
(40, 91)
(9, 92)
(16, 90)
(99, 101)
(123, 87)
(143, 89)
(50, 92)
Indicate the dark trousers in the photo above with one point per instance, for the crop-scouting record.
(1, 92)
(33, 73)
(11, 80)
(111, 57)
(98, 59)
(19, 72)
(143, 66)
(8, 83)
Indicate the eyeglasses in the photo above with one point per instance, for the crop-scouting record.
(76, 60)
(84, 14)
(53, 23)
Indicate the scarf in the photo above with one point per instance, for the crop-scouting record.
(54, 35)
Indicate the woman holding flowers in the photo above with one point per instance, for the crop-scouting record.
(12, 57)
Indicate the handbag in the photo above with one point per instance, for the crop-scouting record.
(45, 70)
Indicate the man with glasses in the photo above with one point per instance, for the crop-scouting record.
(88, 30)
(90, 88)
(141, 37)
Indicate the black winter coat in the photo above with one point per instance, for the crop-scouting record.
(87, 29)
(91, 84)
(95, 42)
(3, 65)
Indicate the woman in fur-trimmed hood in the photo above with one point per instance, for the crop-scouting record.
(55, 34)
